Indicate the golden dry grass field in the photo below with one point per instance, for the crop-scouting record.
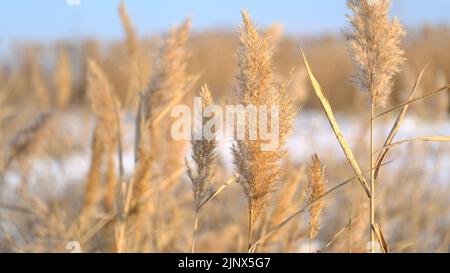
(89, 163)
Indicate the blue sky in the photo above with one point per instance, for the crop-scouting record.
(52, 19)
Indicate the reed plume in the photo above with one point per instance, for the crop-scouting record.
(275, 34)
(138, 210)
(203, 155)
(104, 103)
(37, 80)
(94, 174)
(259, 170)
(131, 36)
(141, 177)
(63, 78)
(374, 44)
(111, 177)
(203, 158)
(316, 190)
(170, 78)
(138, 72)
(168, 86)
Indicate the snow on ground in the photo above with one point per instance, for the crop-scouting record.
(312, 134)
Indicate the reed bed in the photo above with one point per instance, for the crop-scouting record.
(137, 189)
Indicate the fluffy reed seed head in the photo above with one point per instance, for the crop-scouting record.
(169, 84)
(63, 78)
(131, 39)
(37, 79)
(203, 156)
(275, 34)
(93, 178)
(315, 190)
(111, 179)
(374, 44)
(259, 170)
(103, 101)
(141, 178)
(170, 77)
(105, 105)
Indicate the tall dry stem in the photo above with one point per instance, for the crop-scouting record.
(374, 44)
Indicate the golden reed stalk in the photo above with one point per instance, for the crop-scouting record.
(259, 170)
(201, 169)
(374, 44)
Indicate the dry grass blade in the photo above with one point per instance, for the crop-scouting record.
(425, 139)
(297, 213)
(131, 39)
(397, 124)
(447, 87)
(380, 238)
(337, 131)
(340, 233)
(16, 208)
(219, 190)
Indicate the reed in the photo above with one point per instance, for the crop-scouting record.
(315, 190)
(374, 44)
(70, 157)
(104, 103)
(131, 36)
(200, 167)
(167, 87)
(259, 170)
(137, 74)
(63, 78)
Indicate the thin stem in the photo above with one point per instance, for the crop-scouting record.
(424, 139)
(250, 228)
(339, 233)
(372, 178)
(194, 235)
(200, 206)
(138, 130)
(119, 141)
(219, 190)
(413, 101)
(350, 221)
